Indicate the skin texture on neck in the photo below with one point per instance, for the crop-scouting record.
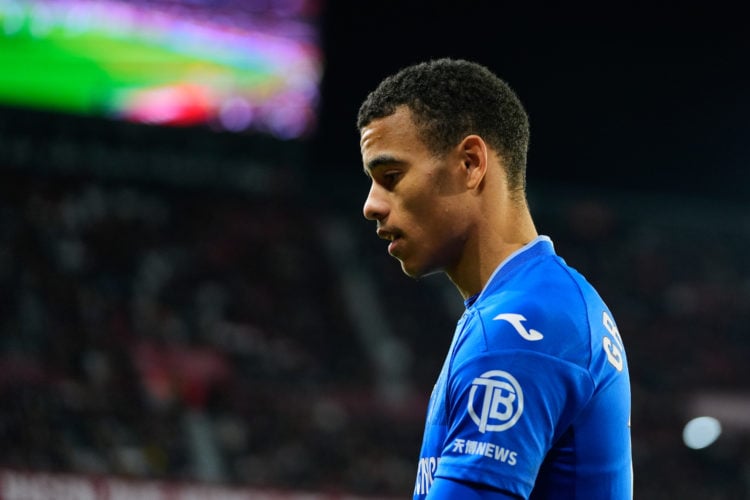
(502, 232)
(501, 222)
(450, 212)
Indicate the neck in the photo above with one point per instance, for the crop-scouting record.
(493, 240)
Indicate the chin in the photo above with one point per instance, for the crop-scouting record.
(409, 270)
(416, 272)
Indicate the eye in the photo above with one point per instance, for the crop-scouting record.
(389, 178)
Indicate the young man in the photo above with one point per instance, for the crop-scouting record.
(533, 400)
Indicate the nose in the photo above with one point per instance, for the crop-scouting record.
(376, 206)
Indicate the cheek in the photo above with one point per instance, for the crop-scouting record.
(436, 223)
(425, 214)
(432, 214)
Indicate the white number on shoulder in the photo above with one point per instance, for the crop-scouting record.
(612, 346)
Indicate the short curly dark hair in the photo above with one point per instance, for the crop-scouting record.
(452, 98)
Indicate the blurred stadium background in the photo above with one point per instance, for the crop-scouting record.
(191, 305)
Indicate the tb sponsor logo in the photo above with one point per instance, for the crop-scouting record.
(516, 320)
(499, 398)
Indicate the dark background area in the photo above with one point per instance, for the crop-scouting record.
(644, 96)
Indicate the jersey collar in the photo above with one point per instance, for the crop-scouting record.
(539, 246)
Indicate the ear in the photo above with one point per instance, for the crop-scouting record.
(473, 154)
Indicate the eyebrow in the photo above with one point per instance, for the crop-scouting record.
(380, 161)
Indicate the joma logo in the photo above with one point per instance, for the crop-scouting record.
(516, 320)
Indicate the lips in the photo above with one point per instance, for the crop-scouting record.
(393, 245)
(392, 235)
(386, 234)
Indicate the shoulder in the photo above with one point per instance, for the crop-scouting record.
(549, 308)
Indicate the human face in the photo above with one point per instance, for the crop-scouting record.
(415, 196)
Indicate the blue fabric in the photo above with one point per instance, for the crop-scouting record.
(534, 396)
(446, 489)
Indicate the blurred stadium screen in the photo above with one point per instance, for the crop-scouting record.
(234, 65)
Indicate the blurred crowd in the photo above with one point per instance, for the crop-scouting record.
(175, 335)
(181, 334)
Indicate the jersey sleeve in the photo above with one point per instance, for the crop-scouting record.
(505, 410)
(448, 489)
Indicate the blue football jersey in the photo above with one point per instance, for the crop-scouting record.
(534, 396)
